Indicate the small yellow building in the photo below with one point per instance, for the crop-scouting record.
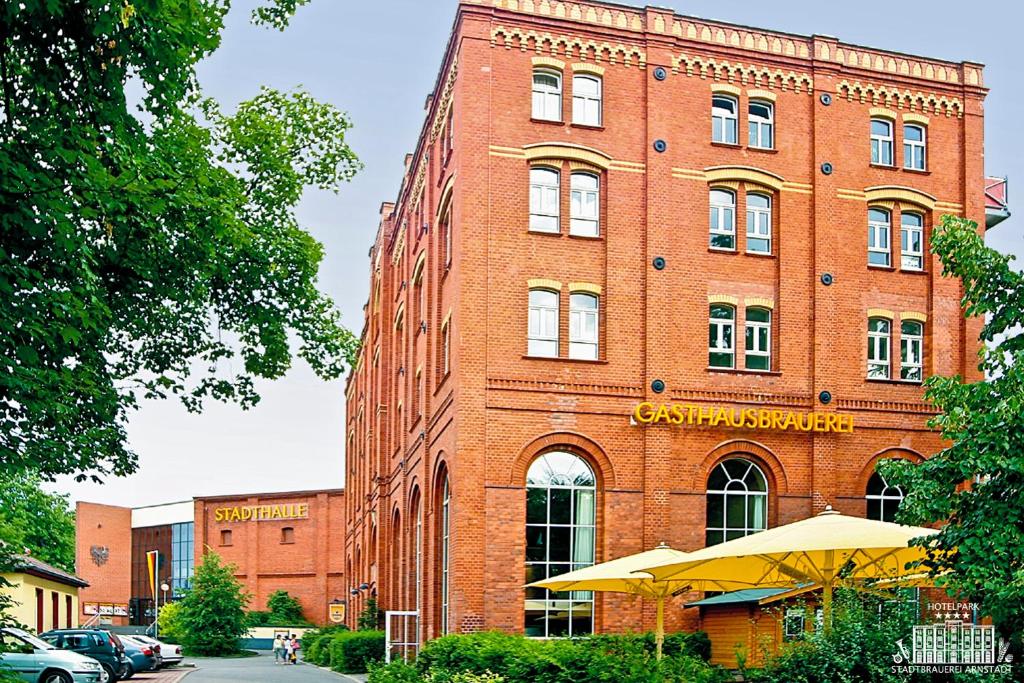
(45, 597)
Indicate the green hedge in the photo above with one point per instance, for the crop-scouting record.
(352, 651)
(315, 644)
(500, 657)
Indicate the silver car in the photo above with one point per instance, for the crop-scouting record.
(37, 661)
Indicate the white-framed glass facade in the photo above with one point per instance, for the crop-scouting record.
(722, 219)
(879, 226)
(911, 241)
(547, 95)
(583, 325)
(721, 336)
(737, 501)
(911, 351)
(759, 223)
(584, 205)
(724, 120)
(542, 333)
(879, 341)
(182, 558)
(586, 100)
(758, 339)
(561, 524)
(544, 202)
(881, 142)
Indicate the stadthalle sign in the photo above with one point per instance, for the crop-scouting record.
(647, 413)
(245, 513)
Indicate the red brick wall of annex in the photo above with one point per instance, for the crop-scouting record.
(307, 563)
(482, 422)
(110, 527)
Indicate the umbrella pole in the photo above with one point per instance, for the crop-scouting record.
(659, 627)
(826, 592)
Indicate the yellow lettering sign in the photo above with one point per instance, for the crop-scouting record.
(648, 413)
(247, 513)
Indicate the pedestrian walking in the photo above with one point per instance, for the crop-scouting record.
(287, 649)
(278, 649)
(296, 645)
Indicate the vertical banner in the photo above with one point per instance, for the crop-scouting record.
(152, 564)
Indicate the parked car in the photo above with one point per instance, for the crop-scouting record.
(103, 646)
(37, 661)
(170, 654)
(141, 656)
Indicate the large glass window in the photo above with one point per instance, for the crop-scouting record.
(761, 124)
(737, 501)
(182, 557)
(724, 124)
(583, 326)
(544, 205)
(913, 147)
(911, 350)
(759, 339)
(911, 241)
(879, 337)
(881, 142)
(759, 224)
(586, 100)
(547, 95)
(721, 326)
(883, 499)
(561, 493)
(542, 335)
(584, 205)
(445, 554)
(723, 219)
(878, 237)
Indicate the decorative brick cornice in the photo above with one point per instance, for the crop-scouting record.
(736, 72)
(892, 96)
(501, 383)
(572, 47)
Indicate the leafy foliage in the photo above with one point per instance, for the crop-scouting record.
(316, 643)
(35, 522)
(169, 625)
(212, 616)
(981, 540)
(514, 658)
(148, 249)
(353, 651)
(369, 618)
(285, 608)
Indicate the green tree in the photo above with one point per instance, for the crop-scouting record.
(369, 618)
(149, 245)
(284, 609)
(212, 614)
(975, 486)
(169, 623)
(38, 523)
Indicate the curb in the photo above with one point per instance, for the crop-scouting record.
(187, 673)
(336, 673)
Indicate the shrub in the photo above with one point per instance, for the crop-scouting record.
(353, 651)
(169, 623)
(315, 644)
(285, 609)
(213, 610)
(369, 618)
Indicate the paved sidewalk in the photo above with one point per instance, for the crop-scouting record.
(260, 669)
(171, 675)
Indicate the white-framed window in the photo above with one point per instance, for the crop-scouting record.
(879, 341)
(724, 121)
(721, 334)
(446, 348)
(881, 142)
(914, 147)
(761, 124)
(911, 241)
(583, 326)
(544, 202)
(737, 501)
(547, 95)
(586, 100)
(879, 251)
(723, 219)
(561, 525)
(883, 499)
(584, 205)
(911, 351)
(542, 335)
(758, 339)
(794, 623)
(759, 224)
(445, 554)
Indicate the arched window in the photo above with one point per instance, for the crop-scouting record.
(444, 554)
(542, 332)
(878, 237)
(721, 333)
(761, 124)
(396, 561)
(911, 350)
(417, 548)
(914, 147)
(586, 100)
(723, 219)
(759, 223)
(737, 501)
(584, 205)
(881, 142)
(758, 339)
(544, 201)
(583, 326)
(723, 119)
(879, 341)
(547, 95)
(883, 499)
(911, 241)
(561, 495)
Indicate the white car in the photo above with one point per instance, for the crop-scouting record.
(170, 652)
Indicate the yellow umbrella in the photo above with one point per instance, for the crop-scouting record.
(823, 549)
(621, 576)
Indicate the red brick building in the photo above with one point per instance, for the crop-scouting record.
(597, 190)
(292, 541)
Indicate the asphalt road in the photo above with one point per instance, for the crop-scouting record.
(260, 669)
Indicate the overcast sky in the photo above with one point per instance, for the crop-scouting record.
(377, 61)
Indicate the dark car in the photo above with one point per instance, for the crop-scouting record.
(141, 656)
(103, 646)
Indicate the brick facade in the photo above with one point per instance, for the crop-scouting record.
(108, 529)
(481, 412)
